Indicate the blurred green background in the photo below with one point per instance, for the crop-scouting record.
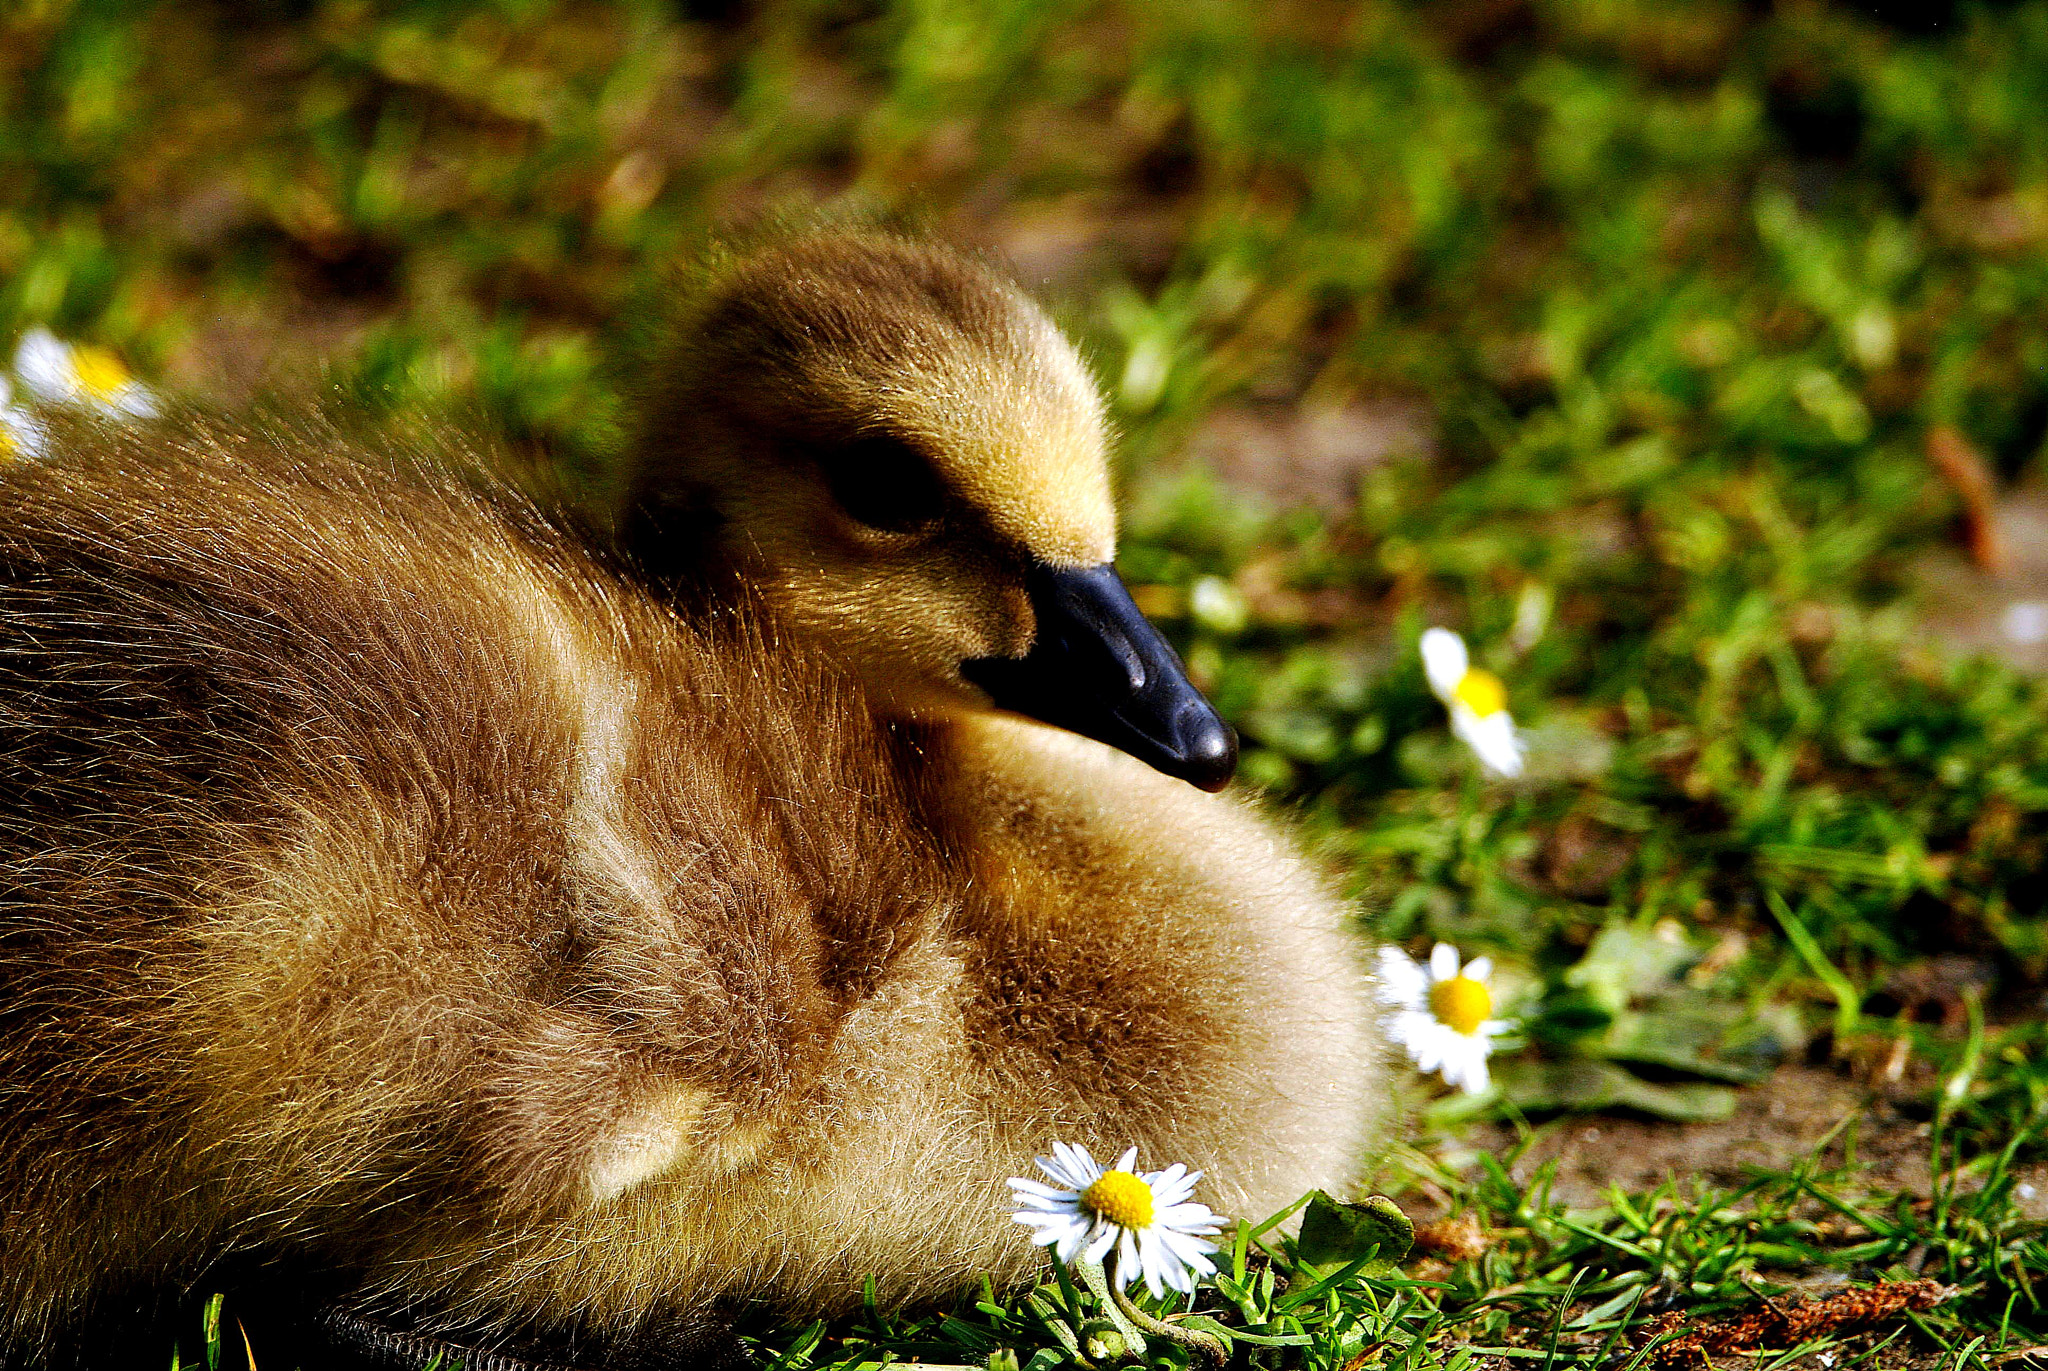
(1689, 356)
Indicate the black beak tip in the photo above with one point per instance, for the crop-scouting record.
(1098, 668)
(1209, 753)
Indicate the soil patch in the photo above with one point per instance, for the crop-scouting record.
(1777, 1124)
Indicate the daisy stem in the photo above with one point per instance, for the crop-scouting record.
(1099, 1285)
(1207, 1346)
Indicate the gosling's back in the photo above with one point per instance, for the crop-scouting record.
(378, 878)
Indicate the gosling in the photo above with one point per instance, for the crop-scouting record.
(548, 945)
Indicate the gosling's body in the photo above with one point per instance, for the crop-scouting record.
(393, 891)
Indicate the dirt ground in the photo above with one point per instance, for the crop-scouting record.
(1776, 1123)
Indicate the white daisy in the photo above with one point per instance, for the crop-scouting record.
(1476, 699)
(21, 433)
(60, 373)
(1443, 1014)
(1147, 1217)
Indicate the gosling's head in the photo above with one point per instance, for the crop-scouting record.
(900, 449)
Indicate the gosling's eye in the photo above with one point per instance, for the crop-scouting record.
(884, 483)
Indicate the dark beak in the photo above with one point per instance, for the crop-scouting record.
(1099, 668)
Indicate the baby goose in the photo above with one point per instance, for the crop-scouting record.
(902, 453)
(899, 450)
(398, 896)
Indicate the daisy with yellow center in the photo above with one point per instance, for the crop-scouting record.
(1146, 1217)
(1476, 699)
(59, 373)
(1443, 1014)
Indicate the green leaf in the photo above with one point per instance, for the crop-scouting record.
(1701, 1035)
(210, 1331)
(1585, 1086)
(1334, 1234)
(1626, 962)
(1202, 1323)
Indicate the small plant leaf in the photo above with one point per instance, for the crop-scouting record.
(1625, 963)
(1580, 1086)
(1334, 1234)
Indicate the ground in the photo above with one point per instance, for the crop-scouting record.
(1796, 1114)
(1690, 358)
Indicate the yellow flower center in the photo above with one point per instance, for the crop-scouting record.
(99, 372)
(1462, 1003)
(1481, 692)
(1120, 1197)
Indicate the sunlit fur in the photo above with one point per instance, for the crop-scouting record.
(387, 887)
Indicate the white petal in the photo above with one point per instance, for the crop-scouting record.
(1034, 1204)
(1127, 1162)
(1467, 1070)
(46, 366)
(134, 401)
(1494, 739)
(1130, 1263)
(1172, 1273)
(1412, 1028)
(1193, 1259)
(1187, 1218)
(1051, 1229)
(1188, 1255)
(1409, 1020)
(1039, 1190)
(1465, 1061)
(1479, 968)
(1403, 984)
(1171, 1186)
(1072, 1240)
(1444, 660)
(1149, 1253)
(1190, 1259)
(1103, 1238)
(1434, 1046)
(1051, 1226)
(27, 439)
(1071, 1166)
(1443, 962)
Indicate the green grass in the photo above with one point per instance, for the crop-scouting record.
(1558, 1288)
(1678, 291)
(1585, 1288)
(1554, 1288)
